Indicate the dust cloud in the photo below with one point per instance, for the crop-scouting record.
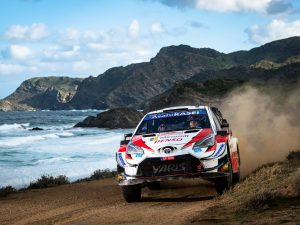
(267, 125)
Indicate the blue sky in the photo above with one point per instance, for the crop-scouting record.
(79, 38)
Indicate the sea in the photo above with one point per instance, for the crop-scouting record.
(58, 149)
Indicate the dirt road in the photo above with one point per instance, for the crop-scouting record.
(101, 202)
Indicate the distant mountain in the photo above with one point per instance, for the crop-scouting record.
(212, 87)
(137, 85)
(42, 93)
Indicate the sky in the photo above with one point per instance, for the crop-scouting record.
(79, 38)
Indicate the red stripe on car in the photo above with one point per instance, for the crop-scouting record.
(203, 133)
(137, 140)
(122, 148)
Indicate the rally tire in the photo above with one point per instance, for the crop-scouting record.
(226, 182)
(132, 193)
(223, 183)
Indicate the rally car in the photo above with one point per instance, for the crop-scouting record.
(175, 143)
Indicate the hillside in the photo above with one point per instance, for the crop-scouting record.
(43, 93)
(270, 195)
(212, 87)
(137, 85)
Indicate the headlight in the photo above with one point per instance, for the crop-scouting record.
(134, 149)
(206, 142)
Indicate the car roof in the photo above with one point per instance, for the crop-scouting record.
(178, 108)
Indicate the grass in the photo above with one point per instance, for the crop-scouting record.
(46, 181)
(267, 196)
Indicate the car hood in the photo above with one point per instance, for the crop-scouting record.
(178, 139)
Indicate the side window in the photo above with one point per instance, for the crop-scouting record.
(143, 128)
(216, 121)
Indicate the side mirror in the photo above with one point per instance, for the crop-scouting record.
(224, 124)
(127, 136)
(222, 132)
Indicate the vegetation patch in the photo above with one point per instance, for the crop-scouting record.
(5, 191)
(48, 181)
(268, 195)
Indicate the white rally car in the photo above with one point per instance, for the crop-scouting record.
(175, 143)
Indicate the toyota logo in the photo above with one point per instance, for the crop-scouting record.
(168, 150)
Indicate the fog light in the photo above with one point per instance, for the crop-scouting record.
(119, 177)
(225, 167)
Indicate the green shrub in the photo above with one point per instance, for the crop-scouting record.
(101, 174)
(48, 181)
(4, 191)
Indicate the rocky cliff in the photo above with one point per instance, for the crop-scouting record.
(138, 84)
(42, 93)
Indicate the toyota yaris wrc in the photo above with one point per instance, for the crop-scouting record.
(175, 143)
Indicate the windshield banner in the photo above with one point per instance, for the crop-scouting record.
(173, 114)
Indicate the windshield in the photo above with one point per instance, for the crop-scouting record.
(174, 121)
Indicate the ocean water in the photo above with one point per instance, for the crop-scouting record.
(59, 149)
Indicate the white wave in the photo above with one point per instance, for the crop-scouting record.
(53, 160)
(9, 142)
(65, 134)
(7, 127)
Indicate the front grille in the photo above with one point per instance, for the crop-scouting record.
(158, 167)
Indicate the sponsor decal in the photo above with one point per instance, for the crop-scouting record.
(168, 138)
(121, 159)
(154, 139)
(167, 158)
(173, 114)
(139, 155)
(198, 150)
(175, 168)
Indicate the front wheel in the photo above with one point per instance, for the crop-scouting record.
(132, 193)
(223, 183)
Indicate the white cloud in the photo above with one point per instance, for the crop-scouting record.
(277, 29)
(134, 28)
(260, 6)
(233, 5)
(71, 35)
(156, 28)
(61, 53)
(20, 52)
(8, 69)
(34, 32)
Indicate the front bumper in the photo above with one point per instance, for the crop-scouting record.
(183, 166)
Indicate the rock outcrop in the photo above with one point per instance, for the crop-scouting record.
(113, 119)
(6, 106)
(43, 93)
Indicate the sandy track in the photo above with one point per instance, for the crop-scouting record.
(101, 202)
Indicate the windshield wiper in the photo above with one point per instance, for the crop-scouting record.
(149, 135)
(192, 131)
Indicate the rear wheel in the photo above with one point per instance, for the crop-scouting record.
(132, 193)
